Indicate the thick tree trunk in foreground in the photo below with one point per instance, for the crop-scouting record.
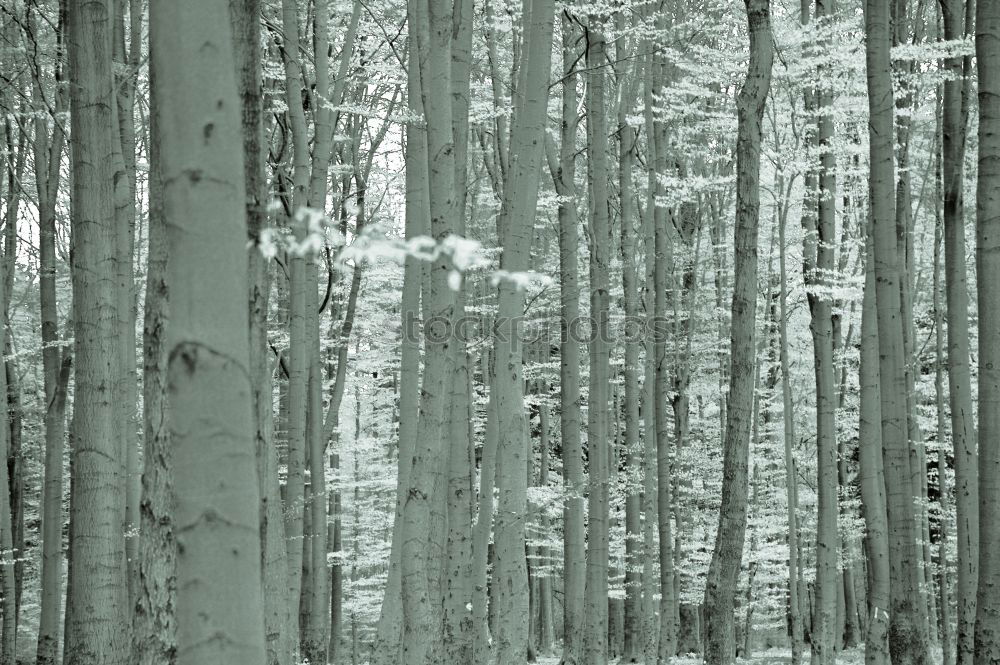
(987, 640)
(725, 565)
(96, 611)
(217, 504)
(907, 642)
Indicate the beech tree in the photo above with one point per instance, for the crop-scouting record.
(720, 645)
(906, 639)
(361, 440)
(987, 635)
(97, 593)
(216, 498)
(954, 119)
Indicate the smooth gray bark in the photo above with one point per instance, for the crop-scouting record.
(725, 565)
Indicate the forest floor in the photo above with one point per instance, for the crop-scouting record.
(854, 656)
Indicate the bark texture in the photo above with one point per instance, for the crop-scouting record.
(720, 586)
(210, 412)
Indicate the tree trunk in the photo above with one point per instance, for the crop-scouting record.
(298, 370)
(316, 598)
(520, 196)
(546, 629)
(389, 632)
(657, 137)
(788, 418)
(944, 600)
(873, 499)
(907, 642)
(48, 155)
(217, 502)
(96, 612)
(649, 405)
(459, 628)
(987, 636)
(245, 18)
(905, 104)
(8, 603)
(432, 30)
(127, 71)
(154, 623)
(954, 115)
(563, 168)
(632, 618)
(484, 520)
(596, 601)
(725, 564)
(819, 266)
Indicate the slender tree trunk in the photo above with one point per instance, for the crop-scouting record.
(788, 418)
(217, 502)
(316, 598)
(484, 519)
(48, 156)
(8, 603)
(987, 635)
(906, 104)
(388, 641)
(649, 404)
(432, 28)
(819, 266)
(127, 65)
(546, 628)
(596, 601)
(944, 600)
(515, 225)
(907, 642)
(15, 162)
(656, 129)
(954, 114)
(459, 629)
(563, 168)
(298, 370)
(873, 495)
(632, 628)
(245, 18)
(725, 565)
